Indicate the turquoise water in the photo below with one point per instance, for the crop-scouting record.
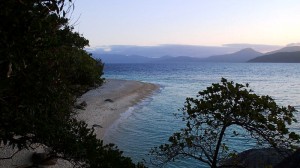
(150, 123)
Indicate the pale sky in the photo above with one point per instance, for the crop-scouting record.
(193, 22)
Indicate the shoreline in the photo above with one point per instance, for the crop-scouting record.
(106, 103)
(104, 106)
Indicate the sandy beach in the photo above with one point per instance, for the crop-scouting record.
(103, 107)
(106, 103)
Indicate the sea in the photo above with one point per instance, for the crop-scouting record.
(151, 122)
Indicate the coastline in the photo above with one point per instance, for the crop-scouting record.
(106, 103)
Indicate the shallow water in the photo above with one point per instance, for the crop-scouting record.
(150, 123)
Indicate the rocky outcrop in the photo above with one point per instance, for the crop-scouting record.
(109, 100)
(81, 105)
(43, 159)
(257, 158)
(292, 161)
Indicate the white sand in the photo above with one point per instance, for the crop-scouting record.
(124, 94)
(98, 112)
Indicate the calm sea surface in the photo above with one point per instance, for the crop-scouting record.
(150, 123)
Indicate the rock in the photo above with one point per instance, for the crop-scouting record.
(109, 100)
(79, 107)
(97, 126)
(257, 158)
(83, 104)
(37, 158)
(292, 161)
(49, 161)
(25, 166)
(43, 159)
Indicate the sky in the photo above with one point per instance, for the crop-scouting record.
(188, 22)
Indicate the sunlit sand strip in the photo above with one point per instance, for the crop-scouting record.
(106, 103)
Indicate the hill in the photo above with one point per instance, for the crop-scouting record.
(240, 56)
(167, 49)
(281, 57)
(118, 58)
(178, 59)
(285, 49)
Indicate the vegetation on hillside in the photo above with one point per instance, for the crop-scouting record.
(42, 67)
(227, 109)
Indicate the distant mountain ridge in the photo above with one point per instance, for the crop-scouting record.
(240, 56)
(288, 54)
(117, 58)
(279, 57)
(175, 50)
(161, 50)
(178, 59)
(285, 49)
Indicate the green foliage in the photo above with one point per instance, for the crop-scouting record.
(42, 62)
(84, 70)
(227, 105)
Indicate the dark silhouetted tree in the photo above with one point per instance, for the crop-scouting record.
(231, 109)
(42, 67)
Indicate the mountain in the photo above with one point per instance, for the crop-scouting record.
(178, 59)
(161, 50)
(117, 58)
(285, 49)
(240, 56)
(281, 57)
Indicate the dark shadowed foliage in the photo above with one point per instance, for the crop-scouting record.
(42, 67)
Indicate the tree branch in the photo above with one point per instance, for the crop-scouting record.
(205, 153)
(195, 157)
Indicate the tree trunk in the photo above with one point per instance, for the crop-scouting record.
(215, 157)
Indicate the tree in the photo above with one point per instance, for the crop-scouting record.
(42, 68)
(219, 111)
